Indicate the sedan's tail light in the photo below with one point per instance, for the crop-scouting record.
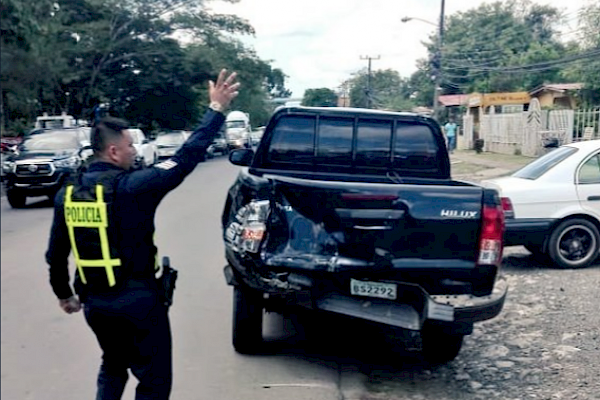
(507, 207)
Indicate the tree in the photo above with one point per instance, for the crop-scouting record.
(587, 71)
(497, 47)
(276, 84)
(27, 30)
(127, 54)
(481, 44)
(322, 97)
(388, 90)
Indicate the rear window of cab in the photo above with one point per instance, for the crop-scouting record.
(348, 143)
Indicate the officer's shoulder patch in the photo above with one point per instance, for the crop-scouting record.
(166, 164)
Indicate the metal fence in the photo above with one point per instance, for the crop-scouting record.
(527, 133)
(586, 124)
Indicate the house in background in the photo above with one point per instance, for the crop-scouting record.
(453, 100)
(557, 95)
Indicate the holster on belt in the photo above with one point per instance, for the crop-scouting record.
(166, 282)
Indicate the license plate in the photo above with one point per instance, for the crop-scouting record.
(373, 289)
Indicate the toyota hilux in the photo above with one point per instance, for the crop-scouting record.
(354, 212)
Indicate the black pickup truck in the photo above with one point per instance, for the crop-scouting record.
(353, 211)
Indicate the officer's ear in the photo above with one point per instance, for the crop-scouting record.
(112, 152)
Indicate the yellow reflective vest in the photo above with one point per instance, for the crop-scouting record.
(87, 220)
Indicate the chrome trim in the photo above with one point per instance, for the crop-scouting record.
(37, 162)
(24, 185)
(372, 228)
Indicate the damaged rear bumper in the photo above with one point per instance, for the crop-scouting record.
(411, 310)
(419, 307)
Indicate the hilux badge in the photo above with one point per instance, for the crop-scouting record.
(458, 214)
(32, 168)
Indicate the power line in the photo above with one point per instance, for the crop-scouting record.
(539, 66)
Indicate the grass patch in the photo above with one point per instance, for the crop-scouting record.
(464, 168)
(518, 160)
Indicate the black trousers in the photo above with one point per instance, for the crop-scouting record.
(133, 330)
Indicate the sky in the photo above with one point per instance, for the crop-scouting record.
(319, 43)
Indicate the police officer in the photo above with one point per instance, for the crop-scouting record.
(106, 218)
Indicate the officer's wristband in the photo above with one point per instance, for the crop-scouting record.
(216, 106)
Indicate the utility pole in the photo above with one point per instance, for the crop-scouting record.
(438, 64)
(345, 97)
(369, 96)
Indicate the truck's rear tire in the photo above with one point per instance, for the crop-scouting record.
(440, 347)
(247, 320)
(16, 199)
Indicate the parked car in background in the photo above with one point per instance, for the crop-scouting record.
(219, 144)
(9, 143)
(42, 163)
(146, 150)
(256, 135)
(237, 130)
(553, 205)
(86, 141)
(167, 143)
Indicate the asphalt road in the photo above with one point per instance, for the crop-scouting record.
(545, 344)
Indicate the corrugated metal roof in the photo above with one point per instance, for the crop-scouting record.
(558, 87)
(448, 100)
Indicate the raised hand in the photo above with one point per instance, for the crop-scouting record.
(224, 90)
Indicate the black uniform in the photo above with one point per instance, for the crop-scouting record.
(130, 323)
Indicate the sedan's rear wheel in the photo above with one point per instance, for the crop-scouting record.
(574, 244)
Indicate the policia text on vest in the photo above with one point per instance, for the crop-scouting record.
(83, 214)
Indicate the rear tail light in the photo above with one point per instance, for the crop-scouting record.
(492, 231)
(507, 206)
(249, 228)
(252, 236)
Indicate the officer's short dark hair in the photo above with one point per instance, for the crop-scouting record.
(108, 130)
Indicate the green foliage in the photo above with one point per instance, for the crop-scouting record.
(587, 71)
(480, 45)
(388, 91)
(322, 97)
(510, 46)
(124, 53)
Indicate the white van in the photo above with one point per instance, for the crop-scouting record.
(237, 130)
(56, 121)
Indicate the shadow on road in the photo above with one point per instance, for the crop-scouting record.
(41, 204)
(328, 339)
(343, 342)
(38, 202)
(529, 262)
(524, 263)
